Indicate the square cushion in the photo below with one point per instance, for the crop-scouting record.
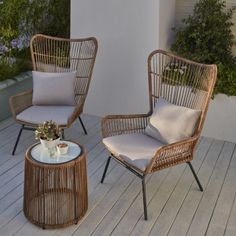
(39, 114)
(53, 88)
(170, 123)
(136, 149)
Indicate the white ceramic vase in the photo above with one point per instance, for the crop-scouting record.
(50, 146)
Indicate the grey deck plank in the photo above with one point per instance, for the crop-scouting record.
(185, 214)
(230, 229)
(117, 212)
(157, 201)
(202, 216)
(165, 219)
(225, 202)
(175, 205)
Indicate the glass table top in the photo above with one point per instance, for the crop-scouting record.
(41, 154)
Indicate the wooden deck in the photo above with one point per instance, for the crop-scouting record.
(175, 205)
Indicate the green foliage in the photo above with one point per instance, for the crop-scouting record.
(24, 17)
(226, 82)
(9, 70)
(50, 17)
(19, 20)
(49, 130)
(207, 37)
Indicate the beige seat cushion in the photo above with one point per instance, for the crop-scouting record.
(136, 149)
(39, 114)
(170, 123)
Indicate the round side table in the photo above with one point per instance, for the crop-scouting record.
(55, 188)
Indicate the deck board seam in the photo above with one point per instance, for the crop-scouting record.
(205, 188)
(212, 213)
(193, 181)
(231, 210)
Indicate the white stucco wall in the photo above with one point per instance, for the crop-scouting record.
(166, 23)
(127, 31)
(221, 118)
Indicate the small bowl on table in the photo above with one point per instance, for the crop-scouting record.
(62, 148)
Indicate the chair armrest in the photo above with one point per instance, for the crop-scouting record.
(20, 102)
(124, 124)
(173, 154)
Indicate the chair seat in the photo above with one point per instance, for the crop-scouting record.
(136, 149)
(39, 114)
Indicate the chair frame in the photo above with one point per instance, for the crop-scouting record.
(168, 155)
(22, 101)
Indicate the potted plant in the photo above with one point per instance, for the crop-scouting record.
(206, 36)
(49, 135)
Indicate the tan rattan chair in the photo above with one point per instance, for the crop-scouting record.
(181, 82)
(53, 54)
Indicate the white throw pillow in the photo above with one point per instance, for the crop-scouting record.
(53, 88)
(170, 123)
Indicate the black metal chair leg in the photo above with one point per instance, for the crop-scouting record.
(144, 198)
(81, 122)
(195, 176)
(105, 170)
(17, 140)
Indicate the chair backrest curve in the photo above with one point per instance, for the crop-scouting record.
(54, 54)
(181, 82)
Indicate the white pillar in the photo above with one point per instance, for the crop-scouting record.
(127, 31)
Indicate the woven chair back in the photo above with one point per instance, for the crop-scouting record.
(53, 54)
(180, 81)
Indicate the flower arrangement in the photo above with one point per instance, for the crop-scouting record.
(49, 131)
(14, 58)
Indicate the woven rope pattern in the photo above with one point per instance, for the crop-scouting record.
(50, 54)
(53, 54)
(55, 196)
(181, 82)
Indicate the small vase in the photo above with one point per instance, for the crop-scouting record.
(50, 146)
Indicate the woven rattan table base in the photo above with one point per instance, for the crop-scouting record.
(55, 196)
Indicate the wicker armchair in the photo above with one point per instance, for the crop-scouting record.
(53, 54)
(181, 82)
